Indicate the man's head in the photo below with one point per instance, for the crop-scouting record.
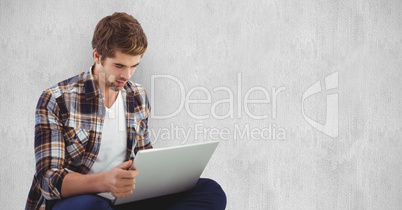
(119, 32)
(118, 45)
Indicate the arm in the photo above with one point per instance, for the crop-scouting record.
(54, 180)
(49, 147)
(118, 181)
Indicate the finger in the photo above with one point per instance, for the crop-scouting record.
(125, 183)
(124, 174)
(133, 168)
(124, 189)
(125, 165)
(124, 192)
(135, 173)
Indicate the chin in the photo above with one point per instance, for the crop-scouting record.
(116, 88)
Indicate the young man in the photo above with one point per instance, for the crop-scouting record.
(86, 127)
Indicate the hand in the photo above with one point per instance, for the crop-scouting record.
(120, 181)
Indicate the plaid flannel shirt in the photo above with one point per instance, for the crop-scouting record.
(68, 128)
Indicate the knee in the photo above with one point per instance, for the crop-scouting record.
(213, 188)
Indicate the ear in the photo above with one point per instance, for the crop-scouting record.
(97, 57)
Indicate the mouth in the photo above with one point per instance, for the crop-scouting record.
(120, 83)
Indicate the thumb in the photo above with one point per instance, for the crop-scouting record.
(125, 165)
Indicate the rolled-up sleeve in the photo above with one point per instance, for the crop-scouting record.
(49, 147)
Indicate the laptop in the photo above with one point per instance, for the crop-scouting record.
(164, 171)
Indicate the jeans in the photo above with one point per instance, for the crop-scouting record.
(207, 194)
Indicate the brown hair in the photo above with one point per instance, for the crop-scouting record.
(119, 32)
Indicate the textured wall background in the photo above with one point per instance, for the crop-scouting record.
(228, 51)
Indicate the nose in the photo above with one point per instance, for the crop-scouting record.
(125, 74)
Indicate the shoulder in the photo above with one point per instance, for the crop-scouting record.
(135, 88)
(70, 85)
(136, 92)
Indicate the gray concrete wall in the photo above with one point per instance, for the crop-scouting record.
(324, 77)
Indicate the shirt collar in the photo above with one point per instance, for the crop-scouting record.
(90, 85)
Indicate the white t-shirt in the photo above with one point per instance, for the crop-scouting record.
(113, 144)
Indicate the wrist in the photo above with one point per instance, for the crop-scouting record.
(102, 186)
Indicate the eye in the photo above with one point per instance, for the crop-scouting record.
(119, 66)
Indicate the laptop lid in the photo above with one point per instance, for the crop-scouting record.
(164, 171)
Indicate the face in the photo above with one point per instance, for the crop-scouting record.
(115, 72)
